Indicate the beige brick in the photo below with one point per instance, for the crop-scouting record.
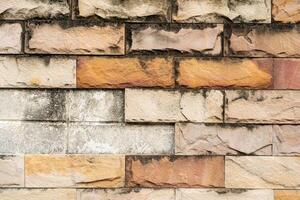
(286, 140)
(286, 11)
(11, 171)
(287, 194)
(10, 38)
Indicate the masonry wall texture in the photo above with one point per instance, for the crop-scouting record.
(149, 100)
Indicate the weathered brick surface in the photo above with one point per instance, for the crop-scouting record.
(10, 38)
(287, 194)
(286, 140)
(234, 73)
(262, 172)
(96, 72)
(286, 11)
(175, 171)
(11, 171)
(172, 106)
(37, 72)
(74, 171)
(220, 11)
(62, 38)
(287, 73)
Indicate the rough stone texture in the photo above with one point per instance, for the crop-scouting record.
(81, 39)
(124, 72)
(10, 38)
(287, 73)
(286, 11)
(26, 9)
(218, 11)
(74, 171)
(163, 171)
(221, 194)
(11, 171)
(121, 139)
(200, 139)
(132, 10)
(287, 195)
(37, 72)
(172, 106)
(233, 73)
(38, 194)
(204, 40)
(262, 172)
(286, 140)
(127, 194)
(261, 40)
(276, 106)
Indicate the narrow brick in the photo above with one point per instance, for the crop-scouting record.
(37, 72)
(11, 171)
(95, 72)
(220, 11)
(276, 107)
(287, 194)
(74, 171)
(10, 38)
(172, 106)
(60, 38)
(233, 73)
(287, 73)
(262, 172)
(286, 140)
(200, 139)
(286, 11)
(164, 171)
(185, 39)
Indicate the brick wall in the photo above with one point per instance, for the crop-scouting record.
(149, 100)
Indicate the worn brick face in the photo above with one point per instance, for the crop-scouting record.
(287, 195)
(12, 171)
(286, 11)
(10, 38)
(287, 73)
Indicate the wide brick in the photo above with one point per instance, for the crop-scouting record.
(37, 72)
(262, 106)
(262, 172)
(120, 139)
(95, 72)
(233, 73)
(263, 40)
(286, 11)
(172, 106)
(131, 10)
(220, 11)
(74, 171)
(126, 194)
(222, 194)
(61, 38)
(10, 38)
(185, 39)
(179, 171)
(200, 139)
(287, 194)
(11, 171)
(37, 194)
(286, 140)
(26, 9)
(287, 73)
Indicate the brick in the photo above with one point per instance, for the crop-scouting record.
(286, 11)
(164, 171)
(200, 139)
(131, 10)
(74, 171)
(172, 106)
(11, 171)
(286, 140)
(37, 72)
(262, 172)
(222, 194)
(125, 193)
(95, 72)
(287, 195)
(233, 73)
(40, 194)
(187, 39)
(220, 11)
(10, 38)
(273, 106)
(60, 38)
(26, 9)
(264, 41)
(287, 73)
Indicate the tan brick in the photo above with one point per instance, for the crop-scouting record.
(286, 11)
(286, 140)
(164, 171)
(287, 194)
(74, 171)
(233, 73)
(11, 171)
(124, 72)
(287, 73)
(10, 38)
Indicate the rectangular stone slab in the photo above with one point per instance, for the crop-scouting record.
(11, 171)
(11, 38)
